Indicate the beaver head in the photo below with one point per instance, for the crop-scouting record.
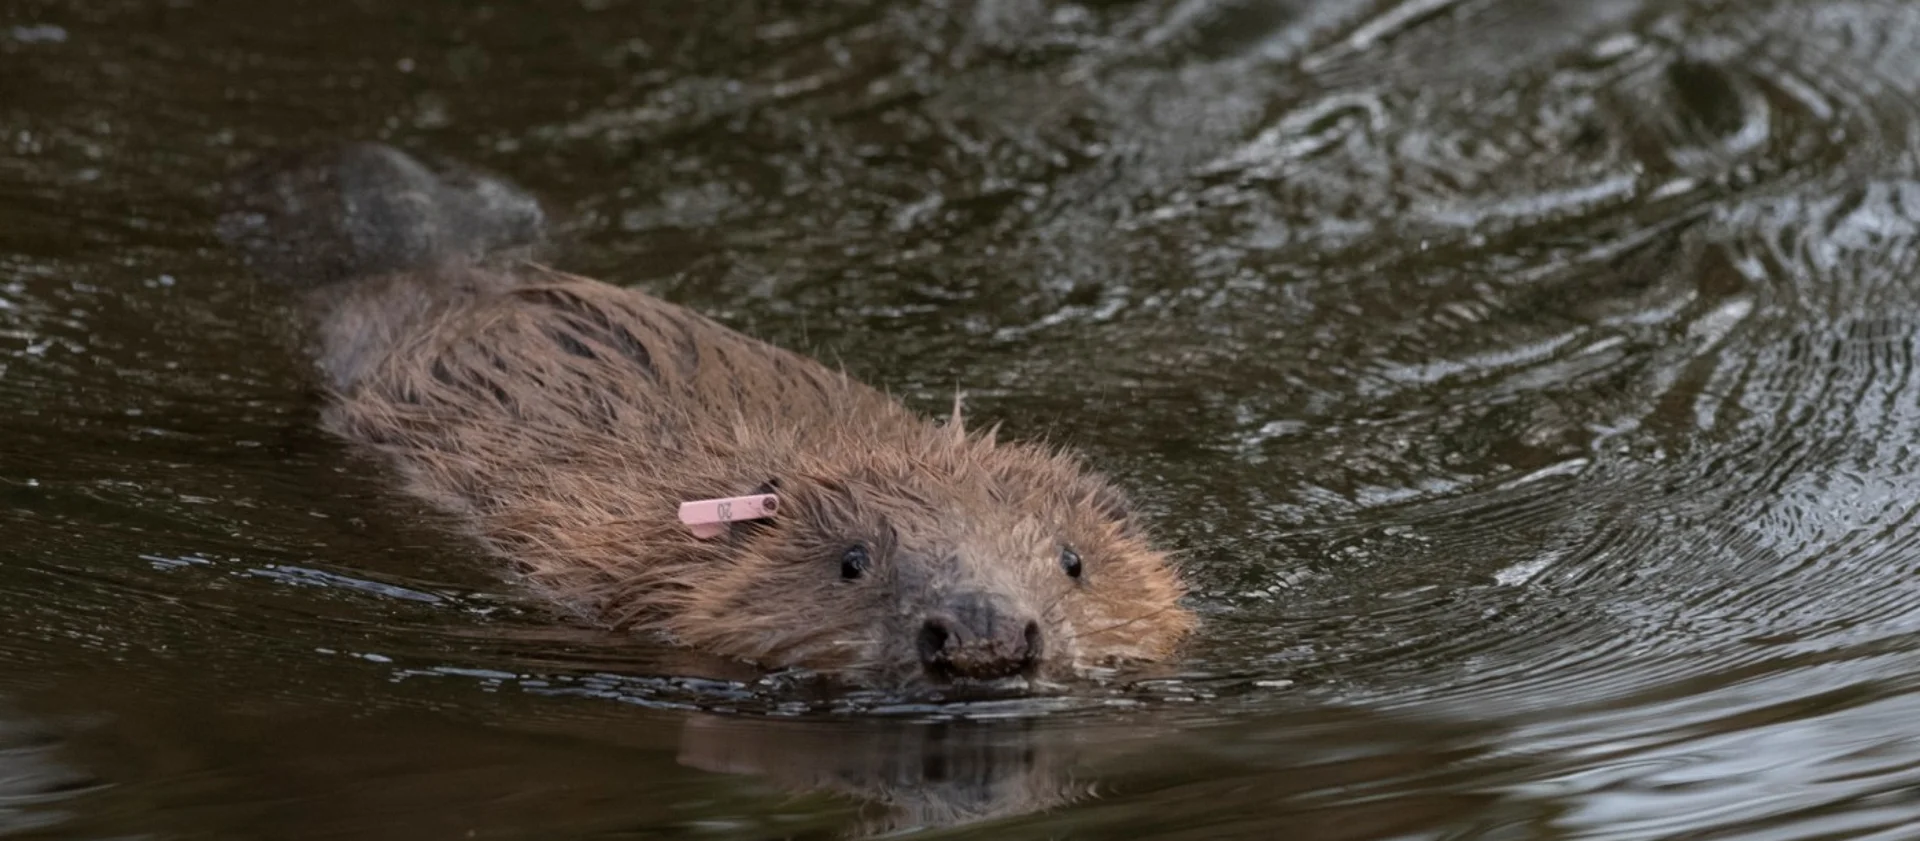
(961, 561)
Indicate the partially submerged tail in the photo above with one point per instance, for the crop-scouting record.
(377, 240)
(317, 217)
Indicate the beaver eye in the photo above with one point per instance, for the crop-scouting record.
(853, 562)
(1070, 561)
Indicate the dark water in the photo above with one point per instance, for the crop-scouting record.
(1529, 385)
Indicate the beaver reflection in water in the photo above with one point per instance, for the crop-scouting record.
(564, 420)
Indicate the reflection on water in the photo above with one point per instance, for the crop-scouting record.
(915, 774)
(1528, 386)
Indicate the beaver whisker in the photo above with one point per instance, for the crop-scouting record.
(1137, 619)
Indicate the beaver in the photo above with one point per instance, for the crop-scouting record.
(563, 421)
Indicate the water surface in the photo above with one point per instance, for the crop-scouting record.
(1529, 387)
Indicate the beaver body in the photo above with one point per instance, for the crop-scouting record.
(564, 420)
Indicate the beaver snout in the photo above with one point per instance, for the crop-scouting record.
(979, 637)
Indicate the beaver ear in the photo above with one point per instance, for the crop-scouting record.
(1113, 504)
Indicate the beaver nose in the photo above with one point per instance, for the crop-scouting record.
(979, 637)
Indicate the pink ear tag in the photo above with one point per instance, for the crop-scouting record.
(707, 518)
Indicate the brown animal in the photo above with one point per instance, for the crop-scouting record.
(564, 420)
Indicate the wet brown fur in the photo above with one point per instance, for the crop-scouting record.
(565, 419)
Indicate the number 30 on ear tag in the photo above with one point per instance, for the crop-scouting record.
(707, 518)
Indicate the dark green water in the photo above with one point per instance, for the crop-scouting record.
(1530, 387)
